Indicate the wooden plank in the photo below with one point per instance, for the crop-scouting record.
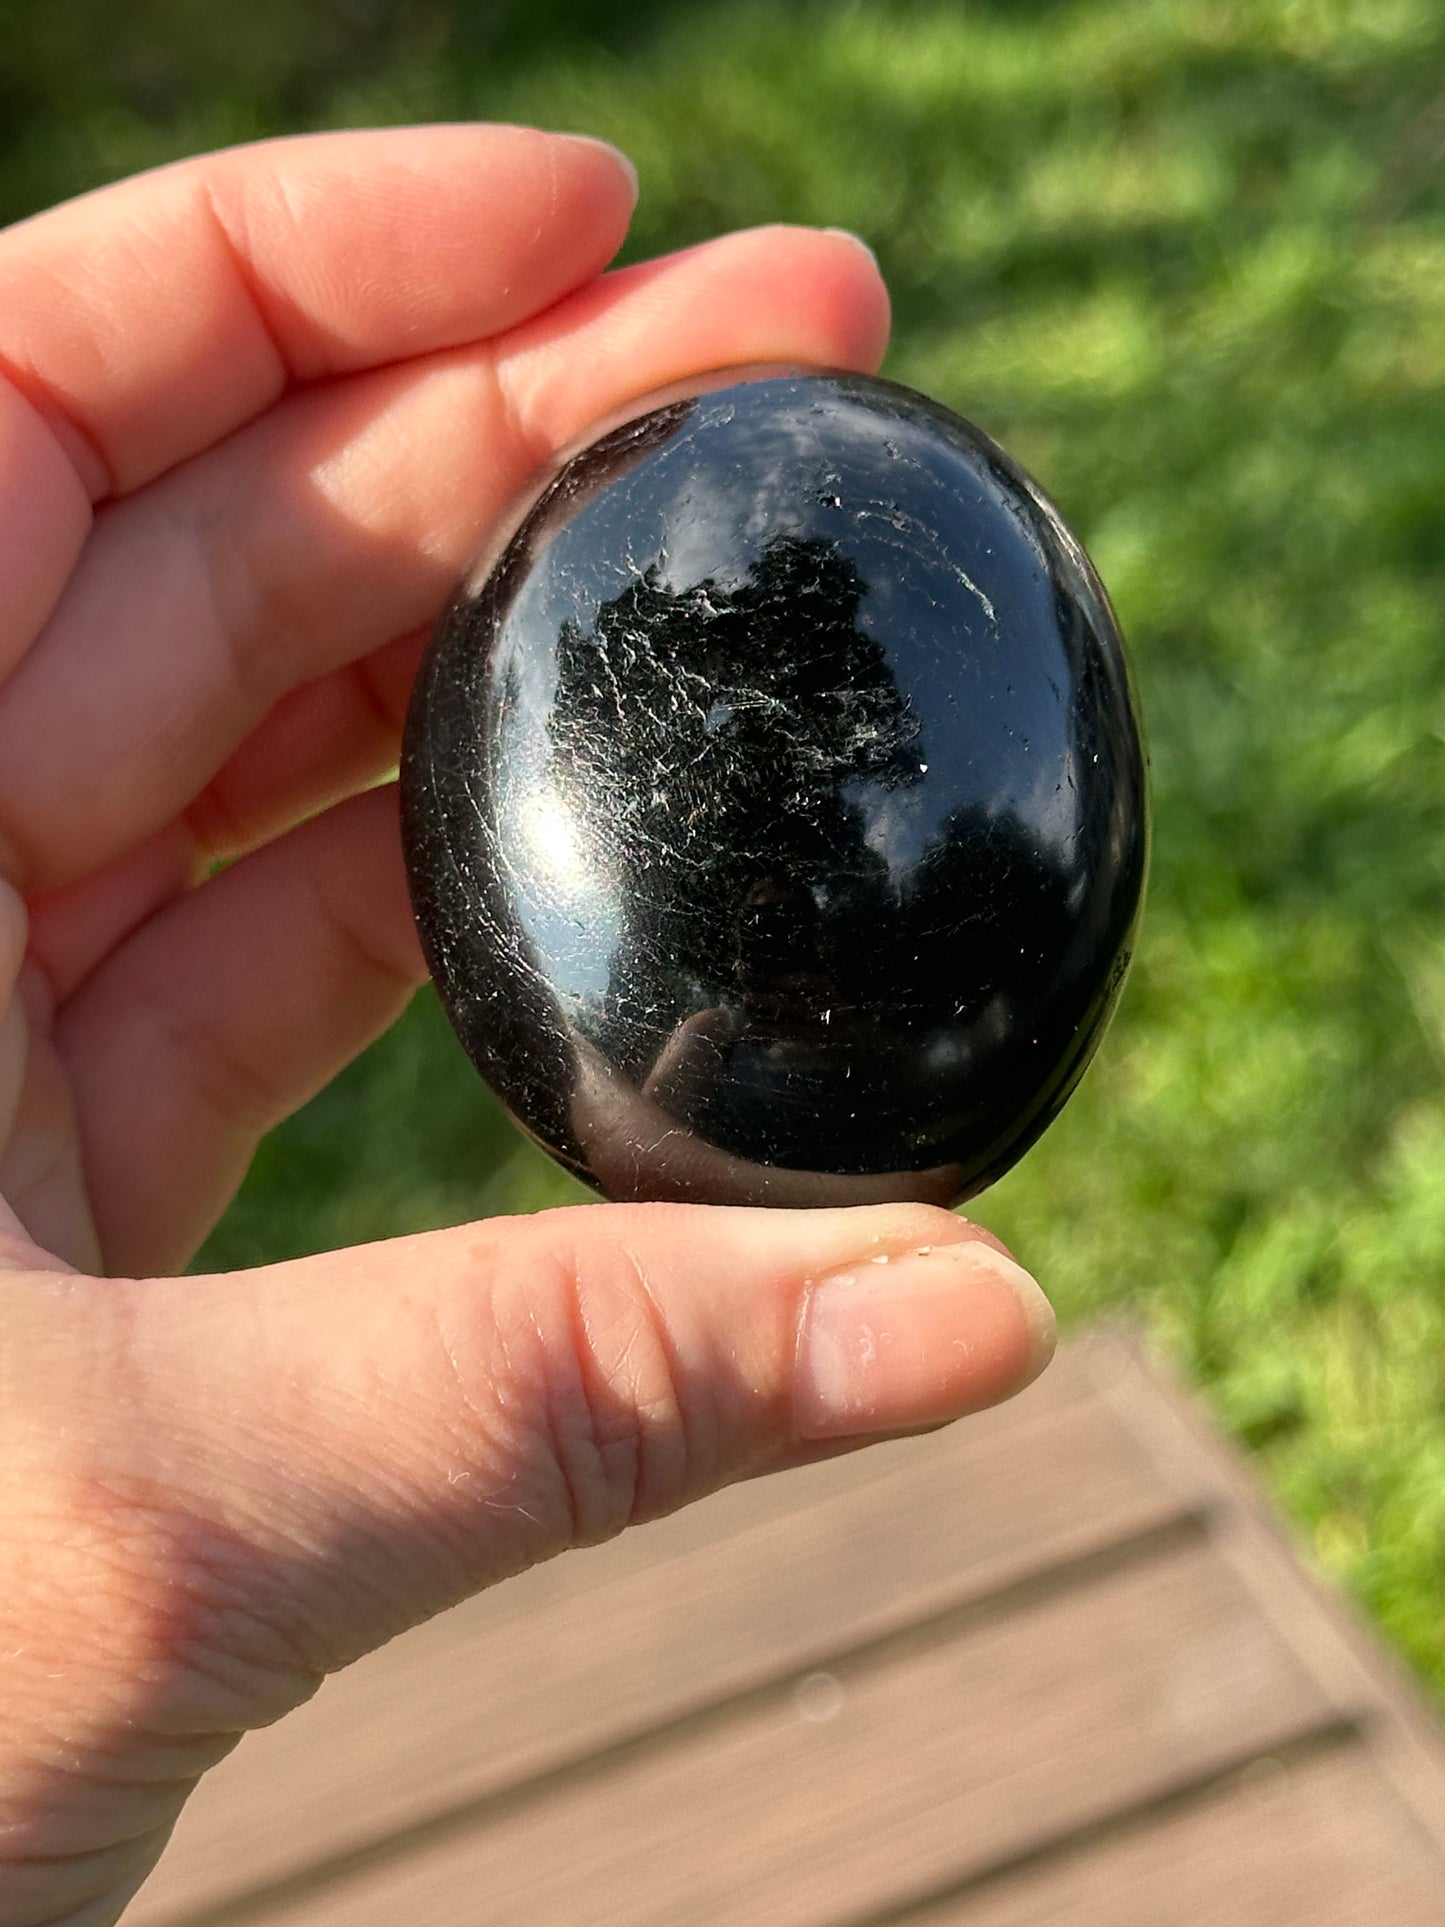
(1326, 1844)
(757, 1582)
(909, 1769)
(1344, 1654)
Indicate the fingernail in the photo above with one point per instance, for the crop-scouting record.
(847, 234)
(624, 161)
(903, 1341)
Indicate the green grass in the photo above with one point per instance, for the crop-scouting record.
(1186, 258)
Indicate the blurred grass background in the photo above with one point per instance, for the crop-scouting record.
(1186, 259)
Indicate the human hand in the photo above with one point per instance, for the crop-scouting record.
(255, 413)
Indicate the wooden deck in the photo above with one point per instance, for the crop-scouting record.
(1057, 1665)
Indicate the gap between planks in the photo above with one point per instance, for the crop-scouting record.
(1190, 1526)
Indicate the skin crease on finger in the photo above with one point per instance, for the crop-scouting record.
(45, 517)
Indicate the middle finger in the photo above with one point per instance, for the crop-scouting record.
(315, 536)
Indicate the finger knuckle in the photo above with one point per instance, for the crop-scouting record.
(620, 1428)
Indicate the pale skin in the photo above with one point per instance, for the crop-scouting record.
(256, 413)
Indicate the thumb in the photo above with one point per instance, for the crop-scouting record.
(343, 1446)
(425, 1416)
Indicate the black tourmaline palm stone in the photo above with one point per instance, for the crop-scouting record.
(775, 804)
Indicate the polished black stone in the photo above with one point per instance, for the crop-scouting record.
(775, 805)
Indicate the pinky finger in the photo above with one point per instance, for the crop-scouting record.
(325, 741)
(224, 1013)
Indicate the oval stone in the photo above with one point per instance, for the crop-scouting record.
(774, 802)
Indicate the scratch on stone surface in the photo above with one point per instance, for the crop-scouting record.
(987, 606)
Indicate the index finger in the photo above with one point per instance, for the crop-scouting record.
(149, 319)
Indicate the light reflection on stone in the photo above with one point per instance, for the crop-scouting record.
(775, 805)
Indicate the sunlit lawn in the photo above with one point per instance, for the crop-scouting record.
(1187, 260)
